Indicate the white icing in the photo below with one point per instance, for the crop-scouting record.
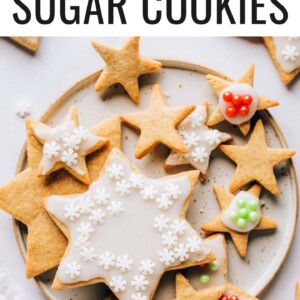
(287, 52)
(239, 89)
(233, 207)
(65, 143)
(200, 140)
(133, 246)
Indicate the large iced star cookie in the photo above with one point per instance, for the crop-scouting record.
(22, 197)
(66, 146)
(124, 66)
(127, 230)
(158, 124)
(238, 101)
(199, 139)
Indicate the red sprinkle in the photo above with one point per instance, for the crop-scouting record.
(227, 96)
(244, 110)
(247, 99)
(223, 297)
(234, 297)
(203, 266)
(231, 111)
(237, 100)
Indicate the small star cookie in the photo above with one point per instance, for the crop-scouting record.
(239, 215)
(112, 247)
(214, 275)
(158, 124)
(199, 139)
(30, 42)
(22, 197)
(255, 161)
(124, 66)
(66, 146)
(238, 101)
(285, 54)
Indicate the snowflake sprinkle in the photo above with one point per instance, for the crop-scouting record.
(107, 260)
(123, 187)
(73, 269)
(290, 53)
(147, 267)
(72, 212)
(139, 283)
(124, 263)
(118, 283)
(200, 155)
(115, 208)
(161, 223)
(51, 149)
(115, 171)
(148, 192)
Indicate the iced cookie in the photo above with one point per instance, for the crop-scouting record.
(214, 275)
(255, 161)
(66, 146)
(124, 66)
(30, 42)
(240, 214)
(127, 230)
(199, 139)
(22, 197)
(158, 124)
(285, 53)
(238, 100)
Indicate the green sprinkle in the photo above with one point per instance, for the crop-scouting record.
(214, 266)
(204, 279)
(234, 216)
(241, 222)
(244, 213)
(241, 203)
(253, 204)
(253, 216)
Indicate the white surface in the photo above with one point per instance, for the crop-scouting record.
(61, 62)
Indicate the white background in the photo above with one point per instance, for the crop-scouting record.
(60, 62)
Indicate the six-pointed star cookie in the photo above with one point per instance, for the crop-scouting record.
(184, 291)
(158, 124)
(127, 230)
(255, 161)
(124, 66)
(22, 197)
(218, 84)
(199, 139)
(216, 272)
(66, 146)
(240, 239)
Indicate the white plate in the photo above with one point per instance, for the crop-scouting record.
(184, 83)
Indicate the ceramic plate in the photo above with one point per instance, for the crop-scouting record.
(184, 83)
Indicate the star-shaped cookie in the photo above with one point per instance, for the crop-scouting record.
(255, 161)
(30, 42)
(124, 66)
(127, 230)
(199, 139)
(218, 84)
(158, 124)
(215, 274)
(22, 197)
(240, 239)
(66, 146)
(185, 291)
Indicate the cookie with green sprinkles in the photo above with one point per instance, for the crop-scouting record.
(240, 214)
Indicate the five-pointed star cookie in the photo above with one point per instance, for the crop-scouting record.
(124, 66)
(30, 42)
(199, 139)
(185, 291)
(158, 124)
(240, 239)
(22, 197)
(218, 84)
(127, 230)
(255, 161)
(66, 146)
(216, 272)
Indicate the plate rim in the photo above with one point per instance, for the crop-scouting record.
(166, 63)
